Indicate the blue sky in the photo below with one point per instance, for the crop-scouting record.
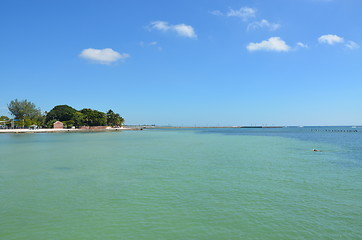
(205, 62)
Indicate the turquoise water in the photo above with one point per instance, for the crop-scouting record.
(181, 184)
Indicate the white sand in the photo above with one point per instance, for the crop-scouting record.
(49, 130)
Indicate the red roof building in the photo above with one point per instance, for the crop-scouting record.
(58, 125)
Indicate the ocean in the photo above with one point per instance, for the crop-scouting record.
(182, 184)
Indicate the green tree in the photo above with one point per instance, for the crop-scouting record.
(37, 120)
(50, 123)
(114, 119)
(121, 121)
(68, 124)
(61, 113)
(78, 119)
(94, 117)
(24, 109)
(4, 120)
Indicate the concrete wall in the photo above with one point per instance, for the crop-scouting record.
(95, 127)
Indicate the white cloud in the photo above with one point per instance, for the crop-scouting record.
(330, 39)
(142, 43)
(217, 13)
(244, 13)
(181, 29)
(333, 39)
(160, 25)
(184, 30)
(272, 44)
(352, 45)
(102, 56)
(302, 45)
(153, 44)
(263, 24)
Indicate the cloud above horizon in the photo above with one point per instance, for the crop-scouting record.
(275, 44)
(352, 45)
(102, 56)
(245, 13)
(182, 30)
(330, 39)
(302, 45)
(263, 24)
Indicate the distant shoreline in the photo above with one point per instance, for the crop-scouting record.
(142, 127)
(156, 127)
(64, 130)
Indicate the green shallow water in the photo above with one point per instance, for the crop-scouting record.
(175, 185)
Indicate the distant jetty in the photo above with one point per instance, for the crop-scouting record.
(261, 127)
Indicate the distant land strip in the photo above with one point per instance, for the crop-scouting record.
(158, 127)
(64, 130)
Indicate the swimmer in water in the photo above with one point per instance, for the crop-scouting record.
(316, 150)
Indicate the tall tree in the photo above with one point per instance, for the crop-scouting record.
(114, 119)
(24, 109)
(61, 113)
(93, 117)
(78, 119)
(4, 120)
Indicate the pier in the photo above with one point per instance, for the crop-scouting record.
(335, 130)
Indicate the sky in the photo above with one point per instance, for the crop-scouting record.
(187, 63)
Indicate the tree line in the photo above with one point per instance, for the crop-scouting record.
(27, 114)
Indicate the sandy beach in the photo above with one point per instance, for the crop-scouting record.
(52, 130)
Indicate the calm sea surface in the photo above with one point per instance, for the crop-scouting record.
(182, 184)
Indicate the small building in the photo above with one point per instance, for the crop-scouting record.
(33, 127)
(58, 125)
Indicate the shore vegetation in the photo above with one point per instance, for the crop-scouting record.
(26, 114)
